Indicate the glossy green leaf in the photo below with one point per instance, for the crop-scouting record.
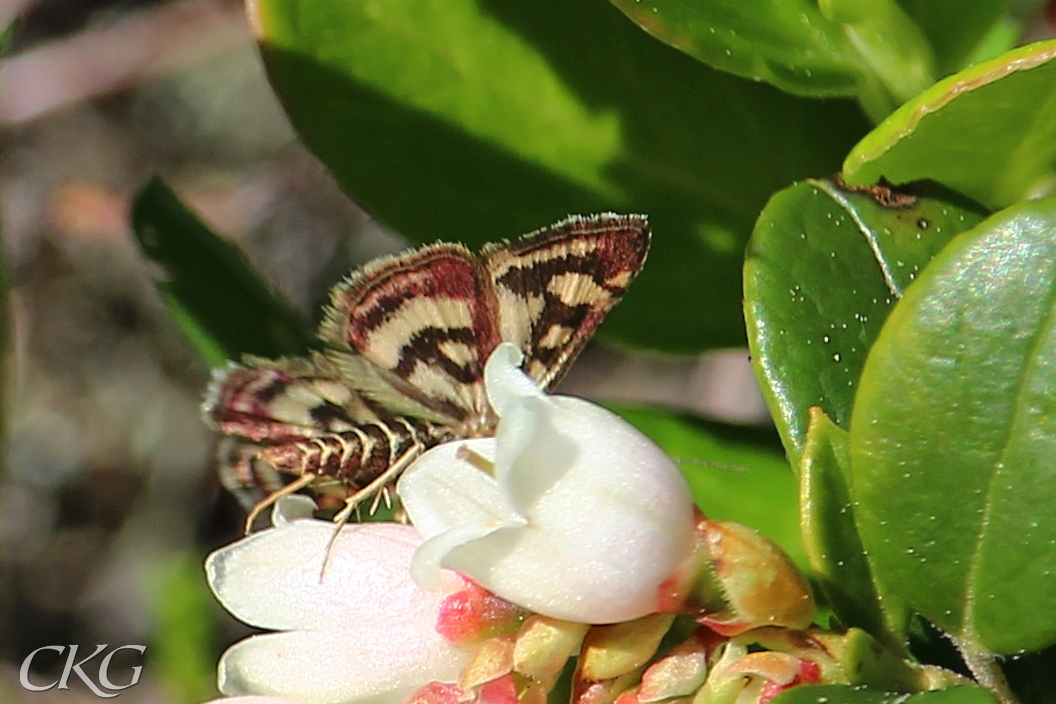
(953, 439)
(954, 27)
(736, 474)
(872, 51)
(215, 296)
(834, 549)
(988, 132)
(474, 121)
(835, 694)
(824, 266)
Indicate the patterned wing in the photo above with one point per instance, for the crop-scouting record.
(420, 327)
(274, 401)
(270, 404)
(556, 285)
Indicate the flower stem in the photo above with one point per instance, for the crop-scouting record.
(986, 670)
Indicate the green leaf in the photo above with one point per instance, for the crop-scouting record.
(824, 266)
(183, 654)
(5, 36)
(988, 132)
(871, 50)
(474, 121)
(837, 558)
(736, 474)
(955, 28)
(953, 437)
(215, 296)
(836, 694)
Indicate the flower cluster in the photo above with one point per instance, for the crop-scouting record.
(567, 535)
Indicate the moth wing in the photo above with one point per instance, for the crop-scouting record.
(243, 473)
(391, 394)
(274, 401)
(413, 332)
(556, 285)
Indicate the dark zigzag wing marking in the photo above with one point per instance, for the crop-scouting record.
(266, 403)
(556, 285)
(275, 400)
(425, 322)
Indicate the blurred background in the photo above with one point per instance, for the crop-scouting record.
(108, 499)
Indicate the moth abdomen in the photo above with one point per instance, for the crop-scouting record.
(355, 456)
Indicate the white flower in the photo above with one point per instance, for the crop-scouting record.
(569, 512)
(362, 631)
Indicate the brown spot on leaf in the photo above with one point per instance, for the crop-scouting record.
(885, 193)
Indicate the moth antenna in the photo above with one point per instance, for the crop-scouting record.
(291, 488)
(333, 540)
(476, 459)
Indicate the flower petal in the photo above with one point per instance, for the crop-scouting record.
(615, 524)
(334, 668)
(584, 519)
(504, 381)
(275, 578)
(443, 489)
(453, 502)
(523, 408)
(430, 556)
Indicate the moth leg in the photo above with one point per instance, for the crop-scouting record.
(385, 495)
(379, 484)
(302, 481)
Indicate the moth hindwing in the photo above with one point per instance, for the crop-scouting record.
(406, 339)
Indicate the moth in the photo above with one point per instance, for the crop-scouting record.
(400, 367)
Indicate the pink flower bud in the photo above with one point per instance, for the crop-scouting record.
(474, 614)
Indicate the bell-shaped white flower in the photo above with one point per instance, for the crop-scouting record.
(569, 512)
(361, 631)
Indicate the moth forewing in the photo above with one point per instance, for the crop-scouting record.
(424, 319)
(556, 285)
